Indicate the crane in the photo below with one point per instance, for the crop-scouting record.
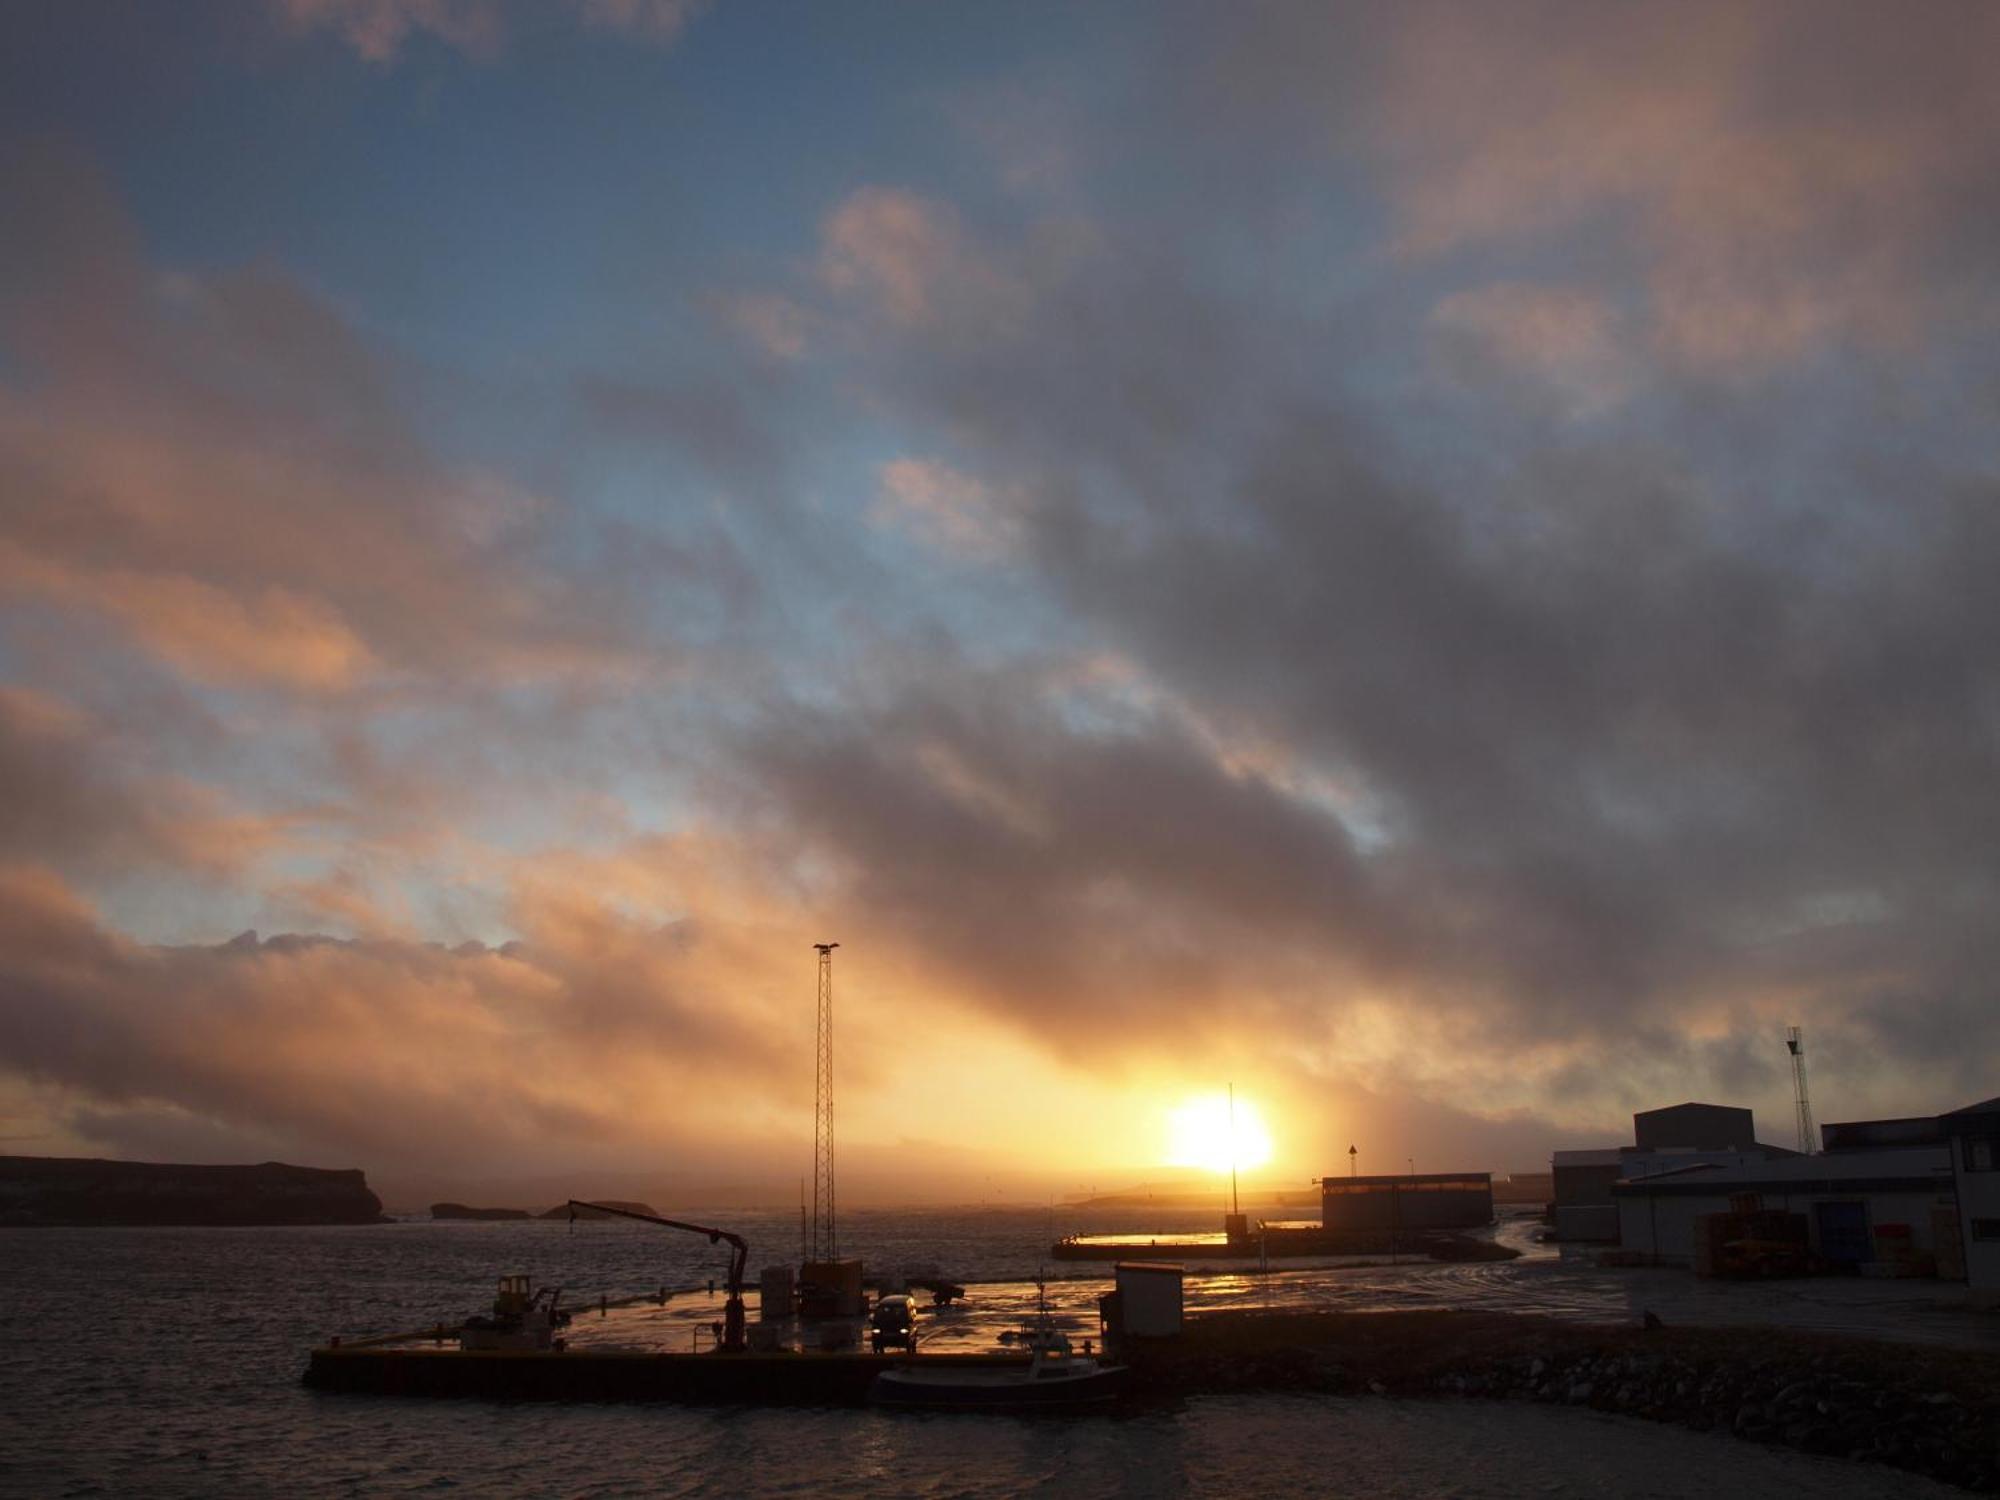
(739, 1252)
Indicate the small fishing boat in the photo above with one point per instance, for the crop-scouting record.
(1054, 1376)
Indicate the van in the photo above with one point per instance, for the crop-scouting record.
(894, 1322)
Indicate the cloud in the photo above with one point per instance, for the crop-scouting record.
(71, 801)
(1493, 527)
(952, 511)
(1777, 192)
(1630, 726)
(914, 262)
(371, 1049)
(207, 632)
(660, 21)
(1566, 340)
(378, 30)
(772, 323)
(225, 469)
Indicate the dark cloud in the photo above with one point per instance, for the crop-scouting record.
(1618, 707)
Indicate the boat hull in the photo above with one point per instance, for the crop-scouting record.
(969, 1390)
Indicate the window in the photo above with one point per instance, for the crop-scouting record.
(1978, 1153)
(1986, 1229)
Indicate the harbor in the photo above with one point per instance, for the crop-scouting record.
(1911, 1376)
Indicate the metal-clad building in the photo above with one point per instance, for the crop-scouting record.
(1852, 1200)
(1583, 1209)
(1417, 1201)
(1700, 1127)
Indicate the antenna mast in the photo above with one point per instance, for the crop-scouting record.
(823, 1245)
(1795, 1043)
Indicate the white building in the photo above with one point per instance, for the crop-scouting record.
(1974, 1135)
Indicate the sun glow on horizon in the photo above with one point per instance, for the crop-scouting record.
(1199, 1134)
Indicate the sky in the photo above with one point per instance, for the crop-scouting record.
(1434, 563)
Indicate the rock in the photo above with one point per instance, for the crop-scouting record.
(91, 1191)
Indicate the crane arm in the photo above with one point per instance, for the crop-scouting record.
(739, 1248)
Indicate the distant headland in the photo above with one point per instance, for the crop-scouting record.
(58, 1190)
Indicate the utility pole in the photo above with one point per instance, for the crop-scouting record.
(824, 1244)
(1234, 1206)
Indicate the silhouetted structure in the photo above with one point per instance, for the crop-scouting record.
(1412, 1202)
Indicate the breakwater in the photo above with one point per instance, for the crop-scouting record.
(1931, 1411)
(1926, 1410)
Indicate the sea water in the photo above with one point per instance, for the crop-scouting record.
(167, 1363)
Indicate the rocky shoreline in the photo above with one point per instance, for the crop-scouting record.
(1930, 1411)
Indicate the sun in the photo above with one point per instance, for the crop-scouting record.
(1199, 1135)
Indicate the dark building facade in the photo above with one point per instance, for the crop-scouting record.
(1420, 1201)
(1695, 1127)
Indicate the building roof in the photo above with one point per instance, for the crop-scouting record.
(1901, 1169)
(1694, 1104)
(1984, 1107)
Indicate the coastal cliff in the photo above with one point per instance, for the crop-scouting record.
(54, 1190)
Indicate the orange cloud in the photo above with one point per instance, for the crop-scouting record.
(276, 636)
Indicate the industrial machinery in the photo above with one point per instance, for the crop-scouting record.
(733, 1341)
(524, 1317)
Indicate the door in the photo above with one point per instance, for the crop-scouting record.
(1843, 1234)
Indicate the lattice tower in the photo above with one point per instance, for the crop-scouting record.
(1795, 1043)
(824, 1244)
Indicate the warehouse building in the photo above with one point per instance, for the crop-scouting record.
(1865, 1207)
(1665, 1140)
(1413, 1202)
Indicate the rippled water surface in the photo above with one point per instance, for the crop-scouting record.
(167, 1362)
